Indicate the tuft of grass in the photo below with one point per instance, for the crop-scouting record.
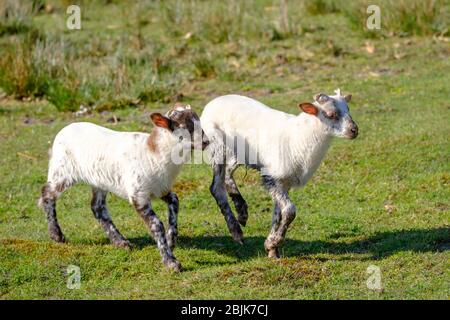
(160, 91)
(49, 68)
(64, 96)
(20, 74)
(403, 17)
(316, 7)
(222, 22)
(40, 68)
(16, 16)
(204, 66)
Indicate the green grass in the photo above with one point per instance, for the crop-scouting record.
(382, 199)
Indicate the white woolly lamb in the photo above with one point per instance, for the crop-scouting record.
(135, 166)
(287, 149)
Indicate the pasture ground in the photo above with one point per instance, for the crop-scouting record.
(382, 199)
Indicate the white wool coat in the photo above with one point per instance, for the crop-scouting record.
(118, 162)
(287, 147)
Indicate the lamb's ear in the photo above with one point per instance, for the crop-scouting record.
(348, 98)
(309, 108)
(161, 121)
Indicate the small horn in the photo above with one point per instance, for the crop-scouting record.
(321, 98)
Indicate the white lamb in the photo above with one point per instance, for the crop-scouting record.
(135, 166)
(287, 149)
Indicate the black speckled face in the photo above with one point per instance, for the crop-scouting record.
(183, 117)
(335, 114)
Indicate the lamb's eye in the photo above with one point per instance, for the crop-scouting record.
(332, 115)
(322, 98)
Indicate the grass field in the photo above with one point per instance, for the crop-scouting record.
(382, 199)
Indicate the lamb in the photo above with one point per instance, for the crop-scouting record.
(286, 149)
(135, 166)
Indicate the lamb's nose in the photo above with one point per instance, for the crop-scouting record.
(354, 131)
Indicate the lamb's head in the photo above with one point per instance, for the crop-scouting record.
(333, 113)
(184, 123)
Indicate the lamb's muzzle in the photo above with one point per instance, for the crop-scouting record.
(351, 129)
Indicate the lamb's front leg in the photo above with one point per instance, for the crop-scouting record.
(283, 215)
(172, 203)
(276, 219)
(156, 227)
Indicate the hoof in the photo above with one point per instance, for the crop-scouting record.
(236, 232)
(125, 244)
(242, 220)
(173, 265)
(58, 237)
(238, 236)
(273, 254)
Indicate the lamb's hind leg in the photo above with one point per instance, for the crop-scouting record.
(100, 211)
(219, 193)
(50, 193)
(283, 215)
(239, 202)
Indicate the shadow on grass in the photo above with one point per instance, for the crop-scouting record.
(377, 246)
